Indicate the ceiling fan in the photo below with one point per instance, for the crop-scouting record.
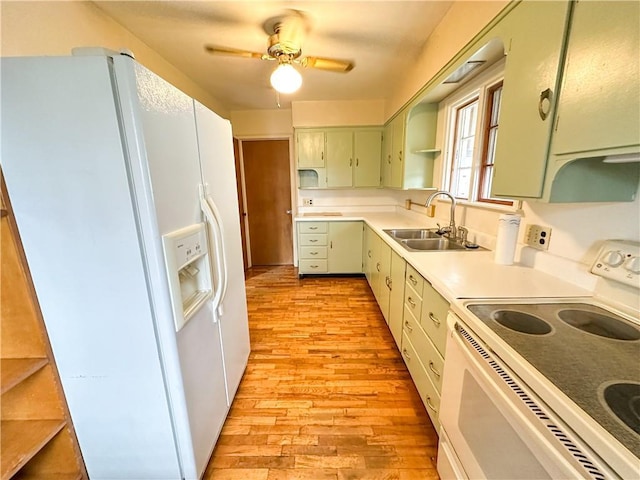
(286, 35)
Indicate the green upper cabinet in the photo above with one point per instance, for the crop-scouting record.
(397, 150)
(367, 152)
(353, 157)
(409, 148)
(570, 102)
(387, 152)
(310, 148)
(534, 55)
(339, 158)
(599, 105)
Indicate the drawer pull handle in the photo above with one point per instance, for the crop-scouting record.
(413, 280)
(313, 253)
(432, 368)
(313, 266)
(408, 326)
(434, 319)
(313, 228)
(429, 404)
(406, 354)
(369, 254)
(411, 302)
(378, 266)
(387, 282)
(313, 240)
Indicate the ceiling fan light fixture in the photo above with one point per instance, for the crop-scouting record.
(286, 79)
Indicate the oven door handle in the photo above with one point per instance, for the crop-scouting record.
(531, 408)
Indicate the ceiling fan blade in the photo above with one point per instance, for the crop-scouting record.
(330, 64)
(234, 52)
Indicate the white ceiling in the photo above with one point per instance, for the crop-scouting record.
(382, 38)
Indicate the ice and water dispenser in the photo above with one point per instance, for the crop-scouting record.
(187, 260)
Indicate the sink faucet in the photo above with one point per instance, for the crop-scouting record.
(451, 229)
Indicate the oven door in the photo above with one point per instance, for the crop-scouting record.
(495, 427)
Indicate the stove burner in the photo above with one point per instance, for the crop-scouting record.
(598, 324)
(624, 401)
(521, 322)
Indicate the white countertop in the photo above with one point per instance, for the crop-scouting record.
(462, 274)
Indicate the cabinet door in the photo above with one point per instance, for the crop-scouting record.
(600, 96)
(345, 247)
(367, 253)
(339, 158)
(396, 300)
(374, 246)
(384, 280)
(387, 152)
(310, 149)
(367, 150)
(531, 68)
(397, 151)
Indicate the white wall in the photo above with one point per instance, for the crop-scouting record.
(55, 27)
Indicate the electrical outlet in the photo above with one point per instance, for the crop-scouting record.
(538, 236)
(307, 202)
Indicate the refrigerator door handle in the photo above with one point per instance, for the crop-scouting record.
(212, 216)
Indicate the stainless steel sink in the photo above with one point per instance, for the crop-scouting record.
(427, 240)
(431, 244)
(413, 233)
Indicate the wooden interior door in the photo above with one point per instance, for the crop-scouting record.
(241, 210)
(268, 193)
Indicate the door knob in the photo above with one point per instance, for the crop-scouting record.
(288, 212)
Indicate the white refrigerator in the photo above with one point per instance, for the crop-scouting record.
(125, 196)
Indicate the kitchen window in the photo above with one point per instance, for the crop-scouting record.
(472, 132)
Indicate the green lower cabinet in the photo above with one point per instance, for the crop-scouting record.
(330, 247)
(345, 247)
(396, 298)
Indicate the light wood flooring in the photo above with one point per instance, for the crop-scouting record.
(326, 395)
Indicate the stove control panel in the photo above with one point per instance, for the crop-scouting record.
(619, 260)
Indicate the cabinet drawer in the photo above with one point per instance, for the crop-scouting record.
(412, 300)
(313, 266)
(427, 353)
(312, 227)
(414, 279)
(428, 393)
(313, 252)
(312, 239)
(434, 317)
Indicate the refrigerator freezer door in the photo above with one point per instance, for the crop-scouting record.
(215, 143)
(164, 121)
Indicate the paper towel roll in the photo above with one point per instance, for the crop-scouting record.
(508, 226)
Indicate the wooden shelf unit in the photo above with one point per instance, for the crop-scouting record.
(37, 440)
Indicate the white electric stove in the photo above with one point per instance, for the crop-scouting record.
(545, 387)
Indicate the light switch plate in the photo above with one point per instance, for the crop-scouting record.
(538, 236)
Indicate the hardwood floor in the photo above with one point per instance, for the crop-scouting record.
(326, 394)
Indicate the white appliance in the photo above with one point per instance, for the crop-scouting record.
(124, 192)
(539, 388)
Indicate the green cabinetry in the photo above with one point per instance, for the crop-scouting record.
(339, 157)
(384, 270)
(533, 60)
(329, 247)
(409, 148)
(424, 339)
(570, 100)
